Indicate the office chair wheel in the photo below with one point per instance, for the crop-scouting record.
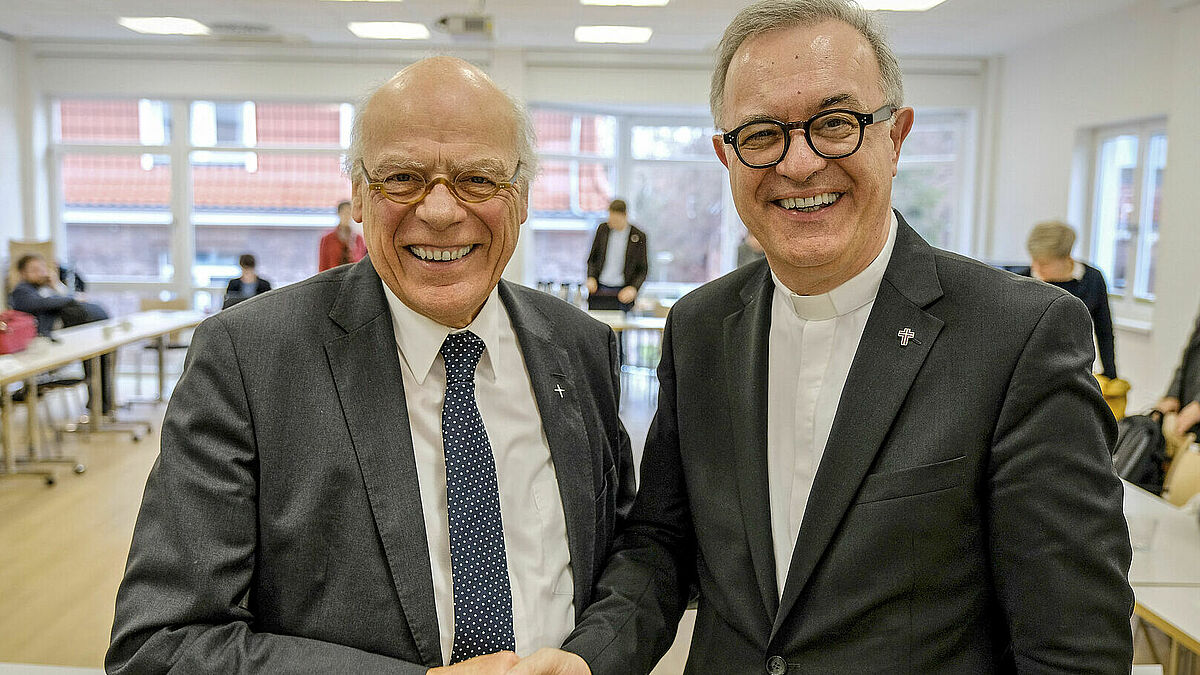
(79, 468)
(50, 481)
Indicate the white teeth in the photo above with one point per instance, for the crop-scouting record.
(439, 254)
(810, 203)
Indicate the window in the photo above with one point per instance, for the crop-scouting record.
(664, 170)
(932, 177)
(1128, 165)
(262, 177)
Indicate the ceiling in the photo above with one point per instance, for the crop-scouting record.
(955, 28)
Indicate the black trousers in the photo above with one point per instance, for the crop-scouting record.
(605, 298)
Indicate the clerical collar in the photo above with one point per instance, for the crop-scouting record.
(854, 293)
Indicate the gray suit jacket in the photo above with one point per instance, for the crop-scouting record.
(281, 527)
(965, 517)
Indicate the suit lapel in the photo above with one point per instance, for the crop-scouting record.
(876, 387)
(746, 331)
(366, 371)
(556, 389)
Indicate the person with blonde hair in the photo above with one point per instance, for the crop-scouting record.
(1049, 245)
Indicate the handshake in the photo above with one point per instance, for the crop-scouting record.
(544, 661)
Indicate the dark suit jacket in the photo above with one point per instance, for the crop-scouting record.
(636, 262)
(281, 527)
(965, 517)
(1185, 385)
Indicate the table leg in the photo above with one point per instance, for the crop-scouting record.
(161, 343)
(10, 447)
(31, 411)
(95, 395)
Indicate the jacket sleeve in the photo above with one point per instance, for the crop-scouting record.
(183, 605)
(25, 298)
(644, 587)
(1103, 325)
(1176, 388)
(327, 256)
(1058, 543)
(595, 261)
(641, 264)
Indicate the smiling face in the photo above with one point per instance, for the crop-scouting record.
(820, 221)
(440, 256)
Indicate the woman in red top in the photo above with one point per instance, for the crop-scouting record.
(341, 245)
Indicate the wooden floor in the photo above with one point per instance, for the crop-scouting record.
(63, 548)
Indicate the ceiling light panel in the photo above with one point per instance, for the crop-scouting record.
(163, 25)
(626, 35)
(389, 30)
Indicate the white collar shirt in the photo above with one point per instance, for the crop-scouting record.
(811, 346)
(535, 530)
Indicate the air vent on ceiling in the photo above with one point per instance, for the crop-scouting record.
(466, 26)
(245, 32)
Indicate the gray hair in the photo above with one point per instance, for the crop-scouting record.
(1051, 239)
(768, 15)
(526, 140)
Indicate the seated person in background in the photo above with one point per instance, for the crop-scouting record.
(617, 265)
(40, 294)
(341, 245)
(1049, 247)
(246, 286)
(1183, 396)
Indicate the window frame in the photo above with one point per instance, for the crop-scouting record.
(179, 148)
(1133, 305)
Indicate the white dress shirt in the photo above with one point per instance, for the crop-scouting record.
(613, 272)
(535, 529)
(811, 345)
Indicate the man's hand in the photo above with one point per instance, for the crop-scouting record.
(490, 664)
(1168, 404)
(592, 284)
(627, 294)
(1187, 418)
(552, 662)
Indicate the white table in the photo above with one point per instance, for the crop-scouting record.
(86, 342)
(1165, 574)
(1173, 556)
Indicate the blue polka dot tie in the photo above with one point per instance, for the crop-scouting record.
(483, 620)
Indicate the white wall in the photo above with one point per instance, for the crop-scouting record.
(1135, 64)
(11, 212)
(1111, 70)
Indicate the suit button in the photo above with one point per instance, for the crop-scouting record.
(776, 666)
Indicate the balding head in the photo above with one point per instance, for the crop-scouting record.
(440, 86)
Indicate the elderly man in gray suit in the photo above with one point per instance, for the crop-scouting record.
(396, 465)
(870, 455)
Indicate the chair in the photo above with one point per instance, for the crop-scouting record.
(1183, 478)
(172, 341)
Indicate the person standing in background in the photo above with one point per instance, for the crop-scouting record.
(617, 265)
(749, 250)
(1049, 247)
(342, 245)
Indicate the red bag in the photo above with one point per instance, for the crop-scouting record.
(17, 330)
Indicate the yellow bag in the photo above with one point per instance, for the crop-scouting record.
(1115, 392)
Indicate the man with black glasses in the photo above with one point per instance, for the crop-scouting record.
(869, 455)
(397, 465)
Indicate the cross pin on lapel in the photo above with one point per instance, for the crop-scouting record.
(558, 388)
(905, 335)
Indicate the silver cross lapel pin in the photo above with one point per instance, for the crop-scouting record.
(905, 335)
(558, 388)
